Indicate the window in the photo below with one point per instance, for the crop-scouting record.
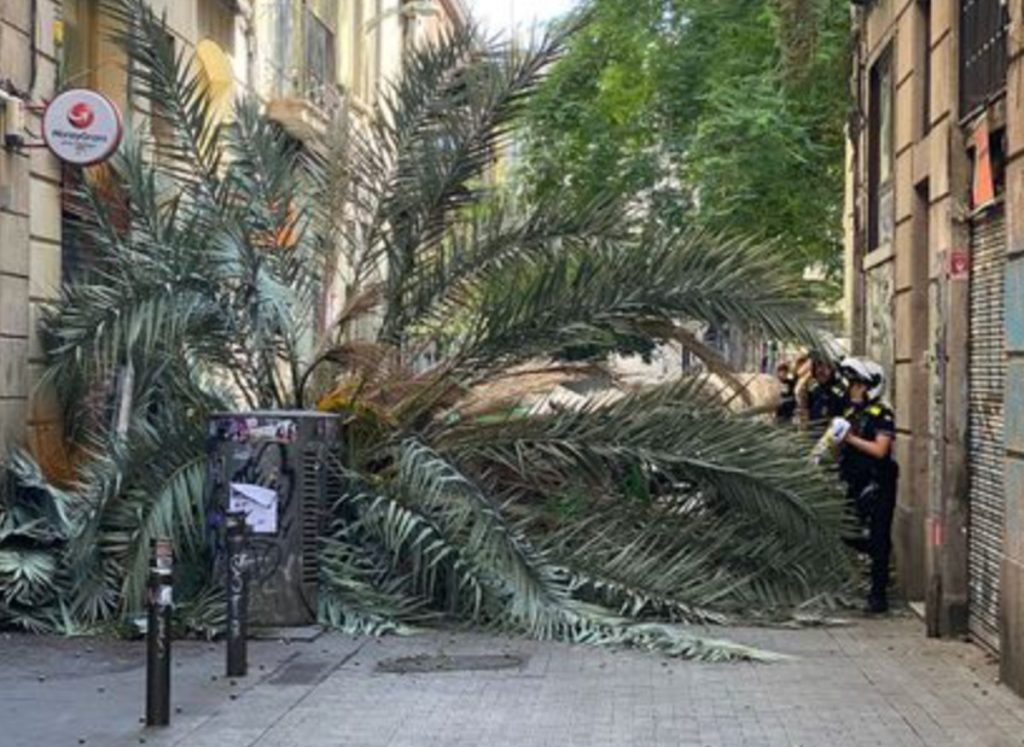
(278, 58)
(90, 58)
(217, 23)
(160, 124)
(880, 153)
(321, 70)
(983, 60)
(80, 35)
(988, 165)
(371, 38)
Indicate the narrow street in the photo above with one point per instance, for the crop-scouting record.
(574, 317)
(873, 682)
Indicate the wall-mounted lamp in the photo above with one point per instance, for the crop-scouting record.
(12, 117)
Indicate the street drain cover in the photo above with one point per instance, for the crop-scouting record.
(298, 673)
(425, 663)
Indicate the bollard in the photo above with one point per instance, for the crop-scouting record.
(238, 594)
(158, 635)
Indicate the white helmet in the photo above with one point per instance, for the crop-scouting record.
(866, 372)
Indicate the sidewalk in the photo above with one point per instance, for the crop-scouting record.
(872, 683)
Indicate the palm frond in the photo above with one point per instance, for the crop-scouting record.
(405, 541)
(576, 295)
(97, 328)
(499, 234)
(361, 592)
(438, 130)
(486, 537)
(36, 520)
(451, 530)
(737, 505)
(173, 510)
(202, 614)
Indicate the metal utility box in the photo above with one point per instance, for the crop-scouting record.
(270, 466)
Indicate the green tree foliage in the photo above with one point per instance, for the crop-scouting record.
(598, 524)
(724, 113)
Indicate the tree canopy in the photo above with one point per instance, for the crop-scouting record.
(722, 113)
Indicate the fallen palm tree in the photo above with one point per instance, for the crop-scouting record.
(598, 519)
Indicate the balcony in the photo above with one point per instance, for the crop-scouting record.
(305, 115)
(302, 96)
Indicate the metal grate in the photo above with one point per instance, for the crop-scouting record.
(984, 25)
(299, 673)
(312, 513)
(985, 424)
(427, 663)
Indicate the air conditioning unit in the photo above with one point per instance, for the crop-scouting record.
(270, 466)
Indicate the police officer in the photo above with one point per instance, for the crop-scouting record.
(787, 394)
(866, 433)
(826, 394)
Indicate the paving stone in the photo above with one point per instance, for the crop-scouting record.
(873, 683)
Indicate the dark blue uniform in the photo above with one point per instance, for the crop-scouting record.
(871, 489)
(787, 400)
(826, 401)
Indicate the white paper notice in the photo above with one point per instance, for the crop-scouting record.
(259, 504)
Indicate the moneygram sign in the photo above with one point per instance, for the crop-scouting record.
(82, 127)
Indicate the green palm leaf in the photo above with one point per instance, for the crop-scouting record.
(741, 509)
(173, 511)
(577, 294)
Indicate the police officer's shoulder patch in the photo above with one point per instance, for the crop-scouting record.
(884, 417)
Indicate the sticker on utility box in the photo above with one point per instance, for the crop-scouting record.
(252, 430)
(259, 504)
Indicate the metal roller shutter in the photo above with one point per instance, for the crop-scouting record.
(985, 424)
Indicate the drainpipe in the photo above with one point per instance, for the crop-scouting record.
(855, 127)
(33, 48)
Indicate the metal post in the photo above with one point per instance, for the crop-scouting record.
(238, 594)
(158, 635)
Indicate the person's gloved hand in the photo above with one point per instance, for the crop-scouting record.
(840, 429)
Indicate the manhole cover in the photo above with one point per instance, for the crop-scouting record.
(298, 673)
(450, 663)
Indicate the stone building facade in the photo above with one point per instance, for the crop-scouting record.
(307, 59)
(30, 222)
(935, 292)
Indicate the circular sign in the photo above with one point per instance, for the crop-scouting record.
(82, 127)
